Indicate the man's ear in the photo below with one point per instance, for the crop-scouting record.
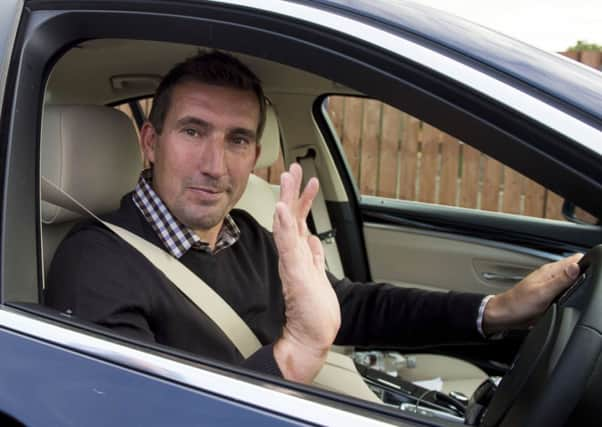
(148, 142)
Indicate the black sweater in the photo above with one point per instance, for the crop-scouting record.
(100, 278)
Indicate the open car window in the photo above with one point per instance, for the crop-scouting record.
(113, 56)
(394, 155)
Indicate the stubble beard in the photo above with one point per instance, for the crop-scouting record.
(198, 216)
(204, 216)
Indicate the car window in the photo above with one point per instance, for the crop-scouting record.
(394, 155)
(25, 235)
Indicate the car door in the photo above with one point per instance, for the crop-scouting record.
(47, 28)
(57, 370)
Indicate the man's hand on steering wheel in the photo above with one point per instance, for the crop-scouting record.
(521, 305)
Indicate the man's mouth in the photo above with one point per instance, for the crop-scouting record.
(207, 190)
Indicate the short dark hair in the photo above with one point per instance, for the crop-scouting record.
(214, 68)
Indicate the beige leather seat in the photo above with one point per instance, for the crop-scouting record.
(92, 153)
(260, 197)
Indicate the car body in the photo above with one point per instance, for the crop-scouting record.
(535, 112)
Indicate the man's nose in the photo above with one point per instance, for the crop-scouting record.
(213, 157)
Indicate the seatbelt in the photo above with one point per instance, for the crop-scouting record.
(338, 373)
(202, 295)
(319, 214)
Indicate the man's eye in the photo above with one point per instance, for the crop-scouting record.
(191, 132)
(240, 141)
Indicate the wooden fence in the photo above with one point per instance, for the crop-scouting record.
(392, 154)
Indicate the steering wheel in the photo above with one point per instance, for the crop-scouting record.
(556, 378)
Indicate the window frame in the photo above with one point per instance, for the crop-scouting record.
(567, 208)
(46, 33)
(520, 231)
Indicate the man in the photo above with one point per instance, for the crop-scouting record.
(201, 142)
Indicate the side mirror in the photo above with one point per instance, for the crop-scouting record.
(578, 216)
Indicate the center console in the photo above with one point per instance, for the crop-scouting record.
(379, 371)
(411, 398)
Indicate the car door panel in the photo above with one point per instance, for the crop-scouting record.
(439, 261)
(67, 388)
(448, 248)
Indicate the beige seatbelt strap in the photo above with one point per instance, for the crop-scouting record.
(338, 373)
(319, 213)
(192, 286)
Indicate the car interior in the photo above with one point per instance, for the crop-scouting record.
(89, 149)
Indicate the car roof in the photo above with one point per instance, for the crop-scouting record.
(574, 84)
(576, 87)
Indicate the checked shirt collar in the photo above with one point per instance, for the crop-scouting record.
(175, 236)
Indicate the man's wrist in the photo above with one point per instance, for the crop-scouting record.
(481, 315)
(298, 362)
(496, 318)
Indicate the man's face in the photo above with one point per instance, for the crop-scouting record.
(205, 153)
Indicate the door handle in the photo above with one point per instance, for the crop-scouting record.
(502, 277)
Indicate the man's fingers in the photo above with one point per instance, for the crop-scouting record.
(317, 251)
(567, 268)
(307, 198)
(290, 184)
(297, 175)
(299, 205)
(571, 266)
(287, 194)
(284, 228)
(563, 273)
(575, 258)
(275, 221)
(285, 217)
(572, 271)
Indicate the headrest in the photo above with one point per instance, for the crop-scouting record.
(91, 152)
(270, 140)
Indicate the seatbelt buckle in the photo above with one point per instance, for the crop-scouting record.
(327, 236)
